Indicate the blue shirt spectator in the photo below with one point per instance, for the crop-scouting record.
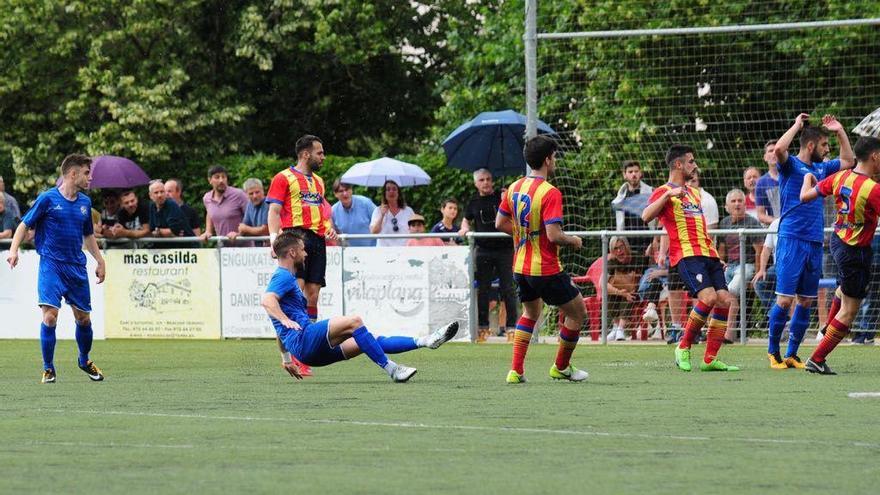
(767, 188)
(8, 220)
(256, 214)
(352, 213)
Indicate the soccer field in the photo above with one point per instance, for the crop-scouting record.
(196, 417)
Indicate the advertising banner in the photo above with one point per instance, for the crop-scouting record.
(157, 293)
(18, 300)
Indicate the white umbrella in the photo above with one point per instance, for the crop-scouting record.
(870, 125)
(374, 173)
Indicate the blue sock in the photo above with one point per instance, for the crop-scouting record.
(777, 318)
(396, 345)
(84, 336)
(370, 347)
(47, 344)
(800, 320)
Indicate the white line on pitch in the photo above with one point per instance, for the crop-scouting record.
(500, 429)
(111, 445)
(864, 395)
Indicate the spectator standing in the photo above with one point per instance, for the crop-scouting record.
(417, 226)
(494, 256)
(764, 280)
(767, 188)
(297, 203)
(8, 222)
(392, 216)
(750, 181)
(448, 212)
(256, 214)
(133, 219)
(624, 220)
(166, 217)
(352, 214)
(10, 202)
(174, 190)
(728, 249)
(224, 205)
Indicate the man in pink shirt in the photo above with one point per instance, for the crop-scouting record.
(417, 226)
(225, 205)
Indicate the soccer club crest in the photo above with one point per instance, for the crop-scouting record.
(83, 210)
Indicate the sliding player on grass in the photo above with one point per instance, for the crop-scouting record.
(857, 198)
(692, 253)
(328, 341)
(531, 212)
(799, 245)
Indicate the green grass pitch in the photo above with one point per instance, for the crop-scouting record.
(210, 417)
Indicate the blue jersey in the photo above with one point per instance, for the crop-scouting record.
(60, 225)
(801, 221)
(290, 297)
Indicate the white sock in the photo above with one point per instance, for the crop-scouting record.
(285, 358)
(423, 340)
(390, 366)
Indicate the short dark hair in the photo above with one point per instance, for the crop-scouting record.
(126, 192)
(285, 241)
(176, 181)
(538, 149)
(217, 169)
(338, 184)
(447, 201)
(74, 160)
(811, 134)
(305, 143)
(772, 142)
(110, 193)
(865, 146)
(677, 151)
(401, 199)
(629, 163)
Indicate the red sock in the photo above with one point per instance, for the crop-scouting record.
(568, 340)
(521, 339)
(694, 325)
(312, 311)
(832, 312)
(715, 335)
(834, 333)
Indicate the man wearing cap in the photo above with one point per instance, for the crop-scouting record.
(417, 226)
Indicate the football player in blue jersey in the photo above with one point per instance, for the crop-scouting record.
(62, 220)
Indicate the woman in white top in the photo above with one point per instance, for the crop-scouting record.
(392, 216)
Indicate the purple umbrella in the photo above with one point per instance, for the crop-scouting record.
(110, 171)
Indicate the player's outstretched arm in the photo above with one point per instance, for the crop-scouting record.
(847, 157)
(653, 209)
(92, 247)
(782, 145)
(17, 238)
(808, 189)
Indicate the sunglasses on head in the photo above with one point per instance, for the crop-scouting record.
(394, 224)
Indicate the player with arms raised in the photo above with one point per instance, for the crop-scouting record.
(857, 198)
(340, 338)
(799, 245)
(62, 219)
(531, 212)
(693, 255)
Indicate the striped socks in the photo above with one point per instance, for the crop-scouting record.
(695, 323)
(568, 340)
(521, 339)
(715, 335)
(834, 333)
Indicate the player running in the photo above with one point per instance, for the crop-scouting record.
(328, 341)
(857, 198)
(531, 212)
(799, 245)
(62, 218)
(693, 255)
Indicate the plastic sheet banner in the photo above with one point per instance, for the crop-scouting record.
(162, 294)
(408, 290)
(18, 300)
(245, 274)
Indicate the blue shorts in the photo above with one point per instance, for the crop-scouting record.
(701, 272)
(798, 267)
(57, 279)
(853, 267)
(311, 345)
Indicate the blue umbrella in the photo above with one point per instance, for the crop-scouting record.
(374, 173)
(492, 140)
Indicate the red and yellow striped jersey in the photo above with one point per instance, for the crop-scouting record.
(683, 219)
(302, 200)
(857, 198)
(532, 203)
